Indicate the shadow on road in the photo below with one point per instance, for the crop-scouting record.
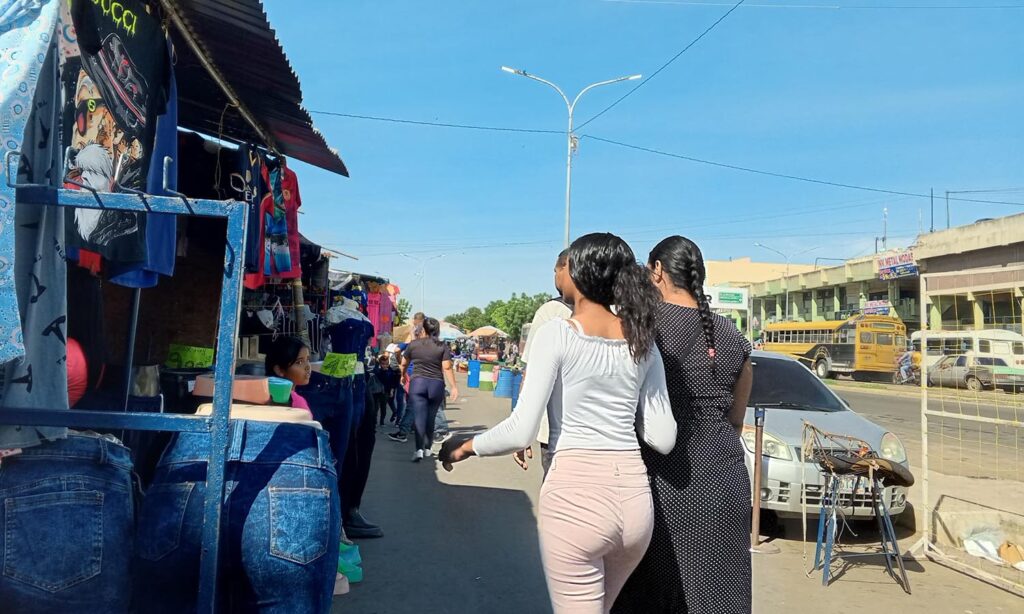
(447, 547)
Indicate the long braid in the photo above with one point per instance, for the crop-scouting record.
(704, 308)
(681, 261)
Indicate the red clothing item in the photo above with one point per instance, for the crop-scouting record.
(292, 202)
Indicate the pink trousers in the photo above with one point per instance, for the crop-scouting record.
(596, 519)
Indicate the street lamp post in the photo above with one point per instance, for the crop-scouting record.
(423, 276)
(571, 139)
(787, 257)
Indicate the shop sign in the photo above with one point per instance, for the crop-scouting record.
(339, 365)
(897, 263)
(181, 356)
(879, 308)
(727, 298)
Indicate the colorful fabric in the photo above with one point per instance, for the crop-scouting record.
(373, 312)
(26, 31)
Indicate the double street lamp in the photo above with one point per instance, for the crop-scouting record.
(570, 137)
(423, 276)
(788, 257)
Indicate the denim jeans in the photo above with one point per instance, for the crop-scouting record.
(330, 400)
(280, 529)
(425, 396)
(400, 403)
(68, 518)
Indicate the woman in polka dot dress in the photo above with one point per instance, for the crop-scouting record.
(699, 558)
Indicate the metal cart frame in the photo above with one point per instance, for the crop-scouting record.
(227, 332)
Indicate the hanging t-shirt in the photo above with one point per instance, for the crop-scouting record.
(115, 91)
(278, 230)
(250, 161)
(286, 265)
(161, 228)
(373, 312)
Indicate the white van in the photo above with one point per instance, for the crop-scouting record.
(995, 343)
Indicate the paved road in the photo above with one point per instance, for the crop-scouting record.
(956, 446)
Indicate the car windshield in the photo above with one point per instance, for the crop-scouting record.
(789, 385)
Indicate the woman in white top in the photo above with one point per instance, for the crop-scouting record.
(606, 381)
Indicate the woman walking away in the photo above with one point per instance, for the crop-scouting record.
(431, 366)
(699, 559)
(606, 379)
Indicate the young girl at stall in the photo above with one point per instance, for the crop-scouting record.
(288, 358)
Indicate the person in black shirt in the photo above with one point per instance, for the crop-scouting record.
(431, 366)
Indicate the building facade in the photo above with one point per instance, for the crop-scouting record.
(979, 269)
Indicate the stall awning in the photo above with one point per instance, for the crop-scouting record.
(244, 54)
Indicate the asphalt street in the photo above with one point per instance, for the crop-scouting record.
(956, 447)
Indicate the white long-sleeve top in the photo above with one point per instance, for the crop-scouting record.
(606, 398)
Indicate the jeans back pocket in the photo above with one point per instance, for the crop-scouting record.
(54, 540)
(161, 519)
(299, 523)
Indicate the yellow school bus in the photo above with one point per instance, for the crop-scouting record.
(864, 346)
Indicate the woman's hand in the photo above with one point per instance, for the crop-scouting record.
(523, 457)
(455, 450)
(455, 395)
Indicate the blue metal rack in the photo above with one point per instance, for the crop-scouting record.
(227, 332)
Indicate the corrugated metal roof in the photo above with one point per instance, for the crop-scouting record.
(243, 47)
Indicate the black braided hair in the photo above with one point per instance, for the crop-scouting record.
(683, 263)
(604, 270)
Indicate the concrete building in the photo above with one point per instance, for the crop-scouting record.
(742, 273)
(974, 275)
(981, 282)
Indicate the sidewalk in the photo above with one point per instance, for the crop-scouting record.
(466, 542)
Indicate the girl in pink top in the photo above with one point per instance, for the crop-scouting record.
(288, 358)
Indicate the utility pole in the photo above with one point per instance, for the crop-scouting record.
(423, 277)
(933, 210)
(885, 228)
(570, 137)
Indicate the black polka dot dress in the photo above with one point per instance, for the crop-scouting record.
(699, 558)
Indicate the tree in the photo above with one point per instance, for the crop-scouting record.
(404, 309)
(509, 316)
(469, 319)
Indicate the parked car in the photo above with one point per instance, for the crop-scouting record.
(791, 395)
(966, 371)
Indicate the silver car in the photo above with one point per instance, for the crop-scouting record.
(791, 394)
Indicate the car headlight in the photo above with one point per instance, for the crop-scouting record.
(771, 446)
(892, 448)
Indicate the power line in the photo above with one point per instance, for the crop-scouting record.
(665, 65)
(668, 154)
(395, 120)
(786, 176)
(832, 7)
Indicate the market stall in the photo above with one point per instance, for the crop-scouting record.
(110, 106)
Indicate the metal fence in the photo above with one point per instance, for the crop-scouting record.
(972, 424)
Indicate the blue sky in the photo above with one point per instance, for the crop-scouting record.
(906, 100)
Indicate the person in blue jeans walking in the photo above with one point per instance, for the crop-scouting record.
(431, 365)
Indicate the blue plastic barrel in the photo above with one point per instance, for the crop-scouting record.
(503, 390)
(517, 382)
(473, 381)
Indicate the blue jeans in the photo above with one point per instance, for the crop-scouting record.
(280, 531)
(330, 400)
(68, 526)
(425, 397)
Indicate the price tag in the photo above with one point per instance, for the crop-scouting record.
(339, 365)
(189, 357)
